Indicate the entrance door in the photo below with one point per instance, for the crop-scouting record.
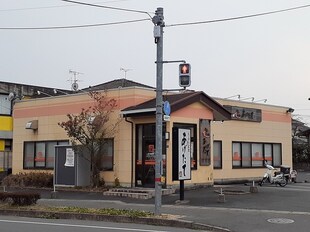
(145, 155)
(145, 160)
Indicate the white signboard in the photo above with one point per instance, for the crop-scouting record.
(69, 157)
(184, 154)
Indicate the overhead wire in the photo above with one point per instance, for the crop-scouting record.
(150, 18)
(238, 17)
(49, 7)
(74, 26)
(88, 25)
(109, 7)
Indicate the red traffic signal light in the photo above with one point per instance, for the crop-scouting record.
(184, 75)
(184, 69)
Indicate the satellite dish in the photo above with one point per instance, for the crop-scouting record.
(11, 96)
(75, 86)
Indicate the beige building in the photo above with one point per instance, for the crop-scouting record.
(228, 139)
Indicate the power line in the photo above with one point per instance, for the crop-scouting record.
(110, 7)
(236, 18)
(49, 7)
(139, 20)
(74, 26)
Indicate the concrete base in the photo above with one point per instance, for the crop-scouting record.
(221, 198)
(253, 189)
(54, 195)
(183, 202)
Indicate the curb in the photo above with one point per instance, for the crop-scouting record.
(112, 218)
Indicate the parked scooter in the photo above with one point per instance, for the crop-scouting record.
(273, 176)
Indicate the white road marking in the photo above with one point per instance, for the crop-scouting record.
(80, 226)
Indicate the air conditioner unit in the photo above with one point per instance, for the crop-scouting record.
(32, 125)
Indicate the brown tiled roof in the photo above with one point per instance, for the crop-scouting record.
(178, 101)
(114, 84)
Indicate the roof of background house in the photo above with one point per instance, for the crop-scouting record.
(114, 84)
(32, 91)
(178, 101)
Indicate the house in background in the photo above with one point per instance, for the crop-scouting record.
(10, 93)
(229, 140)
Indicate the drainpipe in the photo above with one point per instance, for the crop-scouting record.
(132, 156)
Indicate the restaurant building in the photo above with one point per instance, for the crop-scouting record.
(228, 139)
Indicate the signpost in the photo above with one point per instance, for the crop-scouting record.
(181, 149)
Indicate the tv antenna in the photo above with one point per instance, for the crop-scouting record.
(74, 80)
(125, 71)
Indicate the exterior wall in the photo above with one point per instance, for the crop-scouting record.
(6, 135)
(275, 127)
(50, 111)
(6, 123)
(190, 115)
(6, 130)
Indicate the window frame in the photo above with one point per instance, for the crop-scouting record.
(34, 144)
(112, 156)
(221, 154)
(264, 154)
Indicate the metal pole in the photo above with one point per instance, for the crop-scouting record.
(159, 24)
(181, 190)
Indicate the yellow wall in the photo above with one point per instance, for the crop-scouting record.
(6, 123)
(2, 145)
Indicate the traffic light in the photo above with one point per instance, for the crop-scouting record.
(184, 75)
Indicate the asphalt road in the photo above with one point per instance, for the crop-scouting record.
(273, 208)
(20, 224)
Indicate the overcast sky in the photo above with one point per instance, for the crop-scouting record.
(266, 57)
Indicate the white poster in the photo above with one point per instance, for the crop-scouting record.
(69, 157)
(184, 154)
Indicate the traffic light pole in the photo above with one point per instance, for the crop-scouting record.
(158, 21)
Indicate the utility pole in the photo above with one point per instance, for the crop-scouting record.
(159, 24)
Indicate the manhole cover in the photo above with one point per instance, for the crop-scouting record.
(280, 220)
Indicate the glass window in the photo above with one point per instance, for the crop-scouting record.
(217, 154)
(268, 153)
(254, 154)
(29, 155)
(257, 155)
(40, 154)
(236, 156)
(107, 155)
(5, 105)
(63, 143)
(50, 154)
(277, 155)
(246, 155)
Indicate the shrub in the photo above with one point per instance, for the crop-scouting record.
(20, 198)
(32, 179)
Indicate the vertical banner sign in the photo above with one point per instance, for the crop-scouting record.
(69, 157)
(204, 142)
(181, 154)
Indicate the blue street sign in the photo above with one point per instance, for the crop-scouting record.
(167, 109)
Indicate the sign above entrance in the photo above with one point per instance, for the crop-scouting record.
(244, 114)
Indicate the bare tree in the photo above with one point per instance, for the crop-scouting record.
(90, 129)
